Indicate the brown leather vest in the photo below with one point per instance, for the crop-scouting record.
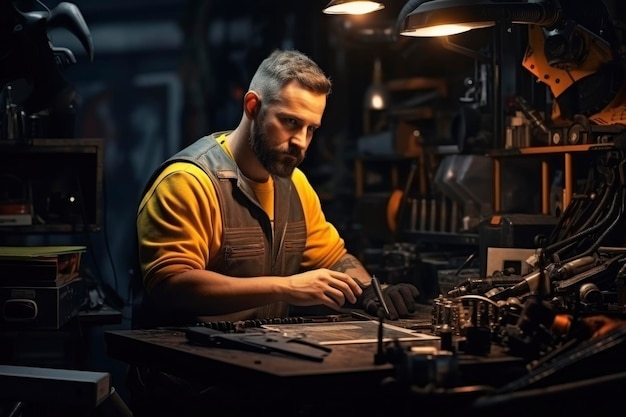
(251, 247)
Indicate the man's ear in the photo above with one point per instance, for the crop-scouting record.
(251, 104)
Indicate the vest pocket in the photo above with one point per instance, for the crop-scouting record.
(295, 245)
(244, 260)
(250, 250)
(295, 238)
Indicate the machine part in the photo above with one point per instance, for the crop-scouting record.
(447, 313)
(384, 310)
(579, 131)
(574, 267)
(579, 60)
(535, 282)
(26, 53)
(556, 136)
(592, 357)
(589, 293)
(68, 16)
(472, 316)
(542, 282)
(576, 134)
(604, 133)
(565, 46)
(541, 130)
(64, 57)
(446, 338)
(600, 275)
(424, 367)
(259, 341)
(558, 79)
(482, 285)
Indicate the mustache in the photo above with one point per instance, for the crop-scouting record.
(296, 152)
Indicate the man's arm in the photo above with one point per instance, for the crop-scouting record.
(353, 267)
(400, 298)
(207, 293)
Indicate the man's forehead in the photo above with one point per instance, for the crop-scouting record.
(302, 102)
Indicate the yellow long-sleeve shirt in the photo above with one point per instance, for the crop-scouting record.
(179, 225)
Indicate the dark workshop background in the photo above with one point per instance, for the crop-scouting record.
(166, 72)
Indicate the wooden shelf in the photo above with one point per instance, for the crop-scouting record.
(566, 151)
(546, 150)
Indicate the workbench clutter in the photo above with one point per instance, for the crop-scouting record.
(453, 362)
(40, 286)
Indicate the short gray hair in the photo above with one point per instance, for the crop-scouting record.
(283, 66)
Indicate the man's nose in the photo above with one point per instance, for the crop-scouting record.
(300, 139)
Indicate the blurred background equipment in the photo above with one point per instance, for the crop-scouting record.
(30, 61)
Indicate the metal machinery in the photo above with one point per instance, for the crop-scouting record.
(577, 272)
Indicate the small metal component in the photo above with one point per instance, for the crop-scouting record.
(590, 293)
(446, 338)
(379, 294)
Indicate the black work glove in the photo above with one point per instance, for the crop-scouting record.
(400, 299)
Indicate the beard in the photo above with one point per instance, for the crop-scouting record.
(275, 161)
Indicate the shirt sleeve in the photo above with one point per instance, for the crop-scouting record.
(324, 245)
(178, 224)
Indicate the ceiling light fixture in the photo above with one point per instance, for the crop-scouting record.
(352, 7)
(450, 17)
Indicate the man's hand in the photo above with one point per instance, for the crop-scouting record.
(400, 299)
(323, 287)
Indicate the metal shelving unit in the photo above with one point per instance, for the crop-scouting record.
(62, 182)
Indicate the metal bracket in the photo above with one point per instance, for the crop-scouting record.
(259, 340)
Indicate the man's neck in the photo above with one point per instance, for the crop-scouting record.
(239, 145)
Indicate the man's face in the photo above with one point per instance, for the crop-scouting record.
(282, 131)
